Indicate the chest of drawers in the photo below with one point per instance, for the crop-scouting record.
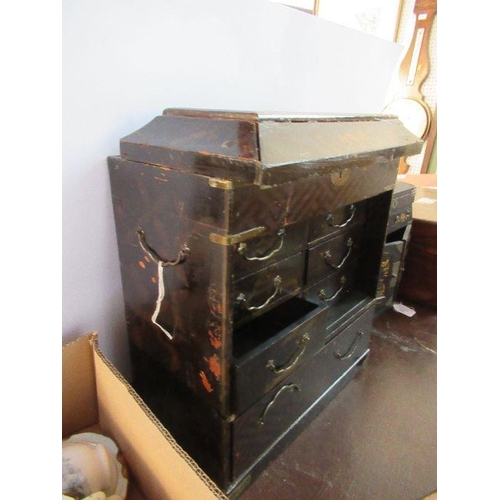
(250, 250)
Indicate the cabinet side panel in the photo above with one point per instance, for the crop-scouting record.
(156, 189)
(174, 312)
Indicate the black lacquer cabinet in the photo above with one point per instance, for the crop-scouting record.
(250, 248)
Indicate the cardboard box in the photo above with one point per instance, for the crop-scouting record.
(425, 205)
(97, 398)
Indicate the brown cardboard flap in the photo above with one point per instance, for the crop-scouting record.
(425, 205)
(160, 467)
(79, 401)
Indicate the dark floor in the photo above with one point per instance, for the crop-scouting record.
(377, 439)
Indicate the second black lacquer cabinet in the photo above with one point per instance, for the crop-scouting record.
(250, 248)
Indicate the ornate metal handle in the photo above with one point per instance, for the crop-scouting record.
(331, 222)
(288, 387)
(243, 300)
(351, 349)
(181, 257)
(328, 255)
(402, 217)
(322, 293)
(242, 248)
(290, 363)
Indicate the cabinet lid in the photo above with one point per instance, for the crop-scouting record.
(266, 148)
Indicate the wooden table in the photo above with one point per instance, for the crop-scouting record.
(419, 278)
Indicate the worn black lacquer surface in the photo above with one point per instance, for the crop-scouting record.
(250, 251)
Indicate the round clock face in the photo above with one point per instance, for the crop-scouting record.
(414, 115)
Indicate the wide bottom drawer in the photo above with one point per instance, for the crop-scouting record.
(271, 347)
(270, 418)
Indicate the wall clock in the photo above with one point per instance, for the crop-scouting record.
(409, 105)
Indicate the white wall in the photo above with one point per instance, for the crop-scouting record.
(125, 61)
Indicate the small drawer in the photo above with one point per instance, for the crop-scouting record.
(272, 346)
(332, 289)
(267, 288)
(267, 248)
(400, 214)
(334, 255)
(350, 343)
(336, 221)
(399, 219)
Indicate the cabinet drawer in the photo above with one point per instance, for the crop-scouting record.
(335, 221)
(332, 290)
(334, 255)
(269, 348)
(350, 344)
(399, 219)
(267, 248)
(400, 213)
(267, 288)
(269, 419)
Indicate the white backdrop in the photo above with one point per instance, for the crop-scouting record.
(125, 61)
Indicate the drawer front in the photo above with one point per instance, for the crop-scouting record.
(291, 334)
(267, 288)
(403, 195)
(400, 213)
(334, 255)
(263, 424)
(332, 290)
(336, 221)
(350, 344)
(399, 219)
(268, 247)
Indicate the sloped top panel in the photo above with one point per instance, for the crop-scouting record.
(265, 148)
(318, 146)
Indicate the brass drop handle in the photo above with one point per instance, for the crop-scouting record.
(243, 300)
(330, 220)
(242, 248)
(181, 257)
(328, 255)
(294, 359)
(352, 347)
(402, 217)
(322, 293)
(288, 387)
